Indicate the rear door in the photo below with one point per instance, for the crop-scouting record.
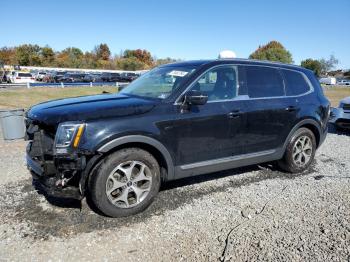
(270, 114)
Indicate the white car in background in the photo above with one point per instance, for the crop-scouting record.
(328, 80)
(344, 82)
(21, 77)
(40, 76)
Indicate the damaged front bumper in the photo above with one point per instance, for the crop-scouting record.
(55, 182)
(48, 185)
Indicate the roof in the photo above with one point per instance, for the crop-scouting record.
(234, 60)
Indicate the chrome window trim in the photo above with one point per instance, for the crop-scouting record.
(311, 88)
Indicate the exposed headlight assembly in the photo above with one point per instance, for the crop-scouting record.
(68, 135)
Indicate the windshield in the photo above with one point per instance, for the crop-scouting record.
(159, 82)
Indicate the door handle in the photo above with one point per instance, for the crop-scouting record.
(291, 108)
(234, 114)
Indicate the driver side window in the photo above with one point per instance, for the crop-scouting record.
(219, 83)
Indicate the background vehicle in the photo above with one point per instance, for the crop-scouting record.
(2, 72)
(344, 82)
(40, 76)
(328, 80)
(92, 78)
(111, 77)
(71, 78)
(128, 77)
(56, 77)
(215, 115)
(19, 77)
(340, 116)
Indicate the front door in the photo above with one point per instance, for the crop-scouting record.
(207, 132)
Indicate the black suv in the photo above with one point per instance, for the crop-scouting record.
(111, 77)
(175, 121)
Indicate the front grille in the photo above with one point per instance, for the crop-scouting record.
(346, 107)
(42, 145)
(40, 148)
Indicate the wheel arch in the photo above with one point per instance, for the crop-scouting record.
(153, 146)
(311, 124)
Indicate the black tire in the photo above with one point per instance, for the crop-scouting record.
(287, 163)
(97, 184)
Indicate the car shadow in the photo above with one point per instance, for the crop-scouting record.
(264, 171)
(74, 217)
(55, 201)
(333, 130)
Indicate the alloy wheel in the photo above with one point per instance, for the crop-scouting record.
(129, 184)
(302, 151)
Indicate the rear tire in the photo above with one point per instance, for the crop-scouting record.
(125, 183)
(300, 151)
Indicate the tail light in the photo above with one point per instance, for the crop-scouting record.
(32, 78)
(18, 77)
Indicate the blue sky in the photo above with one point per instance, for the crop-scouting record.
(183, 29)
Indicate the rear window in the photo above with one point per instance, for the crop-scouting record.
(264, 82)
(296, 83)
(24, 75)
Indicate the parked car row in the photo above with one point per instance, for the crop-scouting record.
(18, 77)
(66, 77)
(74, 77)
(334, 81)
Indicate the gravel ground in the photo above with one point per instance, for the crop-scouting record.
(253, 213)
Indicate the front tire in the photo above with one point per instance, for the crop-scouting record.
(300, 151)
(125, 183)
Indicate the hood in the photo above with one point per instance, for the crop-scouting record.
(87, 108)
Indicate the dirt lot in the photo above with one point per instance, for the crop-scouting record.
(253, 213)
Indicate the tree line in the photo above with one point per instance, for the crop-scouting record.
(101, 58)
(275, 51)
(72, 57)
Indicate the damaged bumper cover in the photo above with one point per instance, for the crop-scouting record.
(53, 184)
(48, 185)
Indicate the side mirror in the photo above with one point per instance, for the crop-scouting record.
(195, 97)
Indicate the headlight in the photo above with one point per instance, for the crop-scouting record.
(68, 135)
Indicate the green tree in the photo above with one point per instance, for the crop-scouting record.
(329, 64)
(28, 55)
(102, 52)
(131, 63)
(143, 56)
(314, 65)
(273, 51)
(89, 60)
(163, 61)
(70, 57)
(47, 56)
(8, 55)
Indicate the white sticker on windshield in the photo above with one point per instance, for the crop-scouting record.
(178, 73)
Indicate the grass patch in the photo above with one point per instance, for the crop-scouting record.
(335, 94)
(25, 98)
